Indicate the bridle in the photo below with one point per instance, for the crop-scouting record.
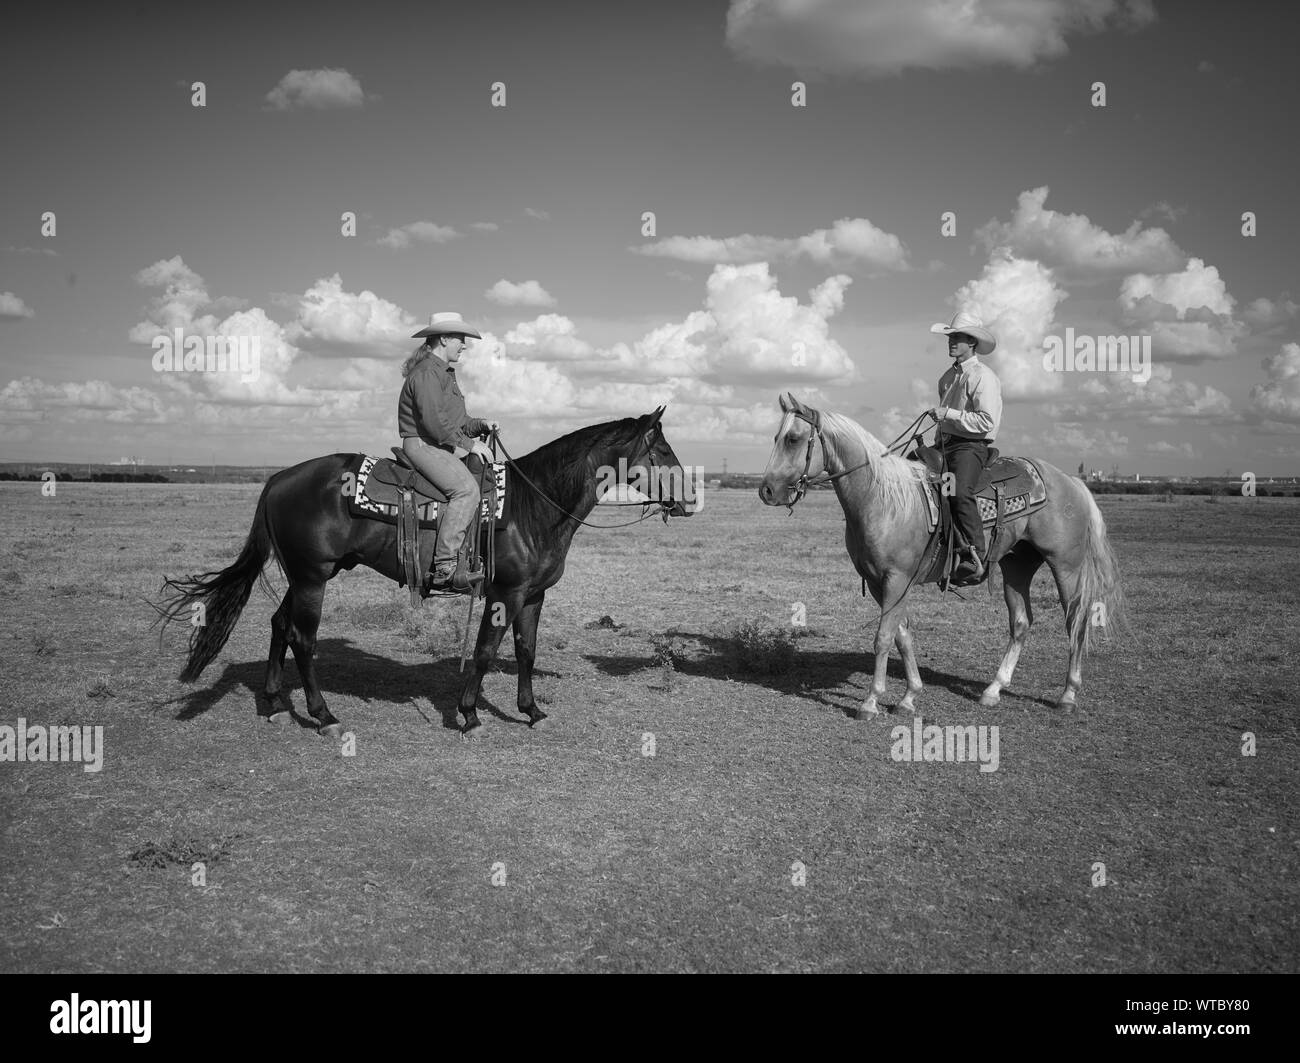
(814, 419)
(663, 504)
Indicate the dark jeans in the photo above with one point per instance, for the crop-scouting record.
(966, 459)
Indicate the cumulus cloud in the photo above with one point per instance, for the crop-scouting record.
(1161, 400)
(1269, 315)
(178, 307)
(13, 307)
(1278, 399)
(1072, 244)
(527, 293)
(848, 242)
(423, 232)
(30, 400)
(1195, 287)
(889, 36)
(540, 215)
(485, 226)
(550, 338)
(1017, 300)
(746, 335)
(1189, 313)
(335, 323)
(316, 90)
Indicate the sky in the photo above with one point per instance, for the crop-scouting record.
(697, 204)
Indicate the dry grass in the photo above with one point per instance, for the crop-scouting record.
(679, 861)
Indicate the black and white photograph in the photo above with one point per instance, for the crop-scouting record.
(707, 486)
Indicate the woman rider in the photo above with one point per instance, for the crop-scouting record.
(437, 433)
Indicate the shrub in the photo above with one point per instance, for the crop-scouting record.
(765, 651)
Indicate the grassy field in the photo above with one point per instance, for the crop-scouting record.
(566, 847)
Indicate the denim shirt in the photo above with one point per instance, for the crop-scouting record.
(432, 406)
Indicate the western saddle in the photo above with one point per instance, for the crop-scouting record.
(1007, 489)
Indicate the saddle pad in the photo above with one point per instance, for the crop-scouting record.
(370, 498)
(1021, 494)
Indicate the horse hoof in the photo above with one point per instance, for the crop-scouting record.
(988, 701)
(331, 730)
(865, 713)
(535, 718)
(908, 705)
(279, 719)
(472, 733)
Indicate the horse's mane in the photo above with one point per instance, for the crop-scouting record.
(893, 479)
(561, 469)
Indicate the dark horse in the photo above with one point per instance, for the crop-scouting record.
(303, 520)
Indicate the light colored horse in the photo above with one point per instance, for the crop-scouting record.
(887, 532)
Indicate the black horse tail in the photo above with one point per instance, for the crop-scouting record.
(214, 600)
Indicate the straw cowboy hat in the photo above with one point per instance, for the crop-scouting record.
(447, 323)
(969, 325)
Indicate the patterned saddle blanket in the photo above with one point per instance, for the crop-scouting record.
(377, 484)
(1009, 488)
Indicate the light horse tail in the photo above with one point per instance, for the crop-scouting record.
(1098, 603)
(219, 596)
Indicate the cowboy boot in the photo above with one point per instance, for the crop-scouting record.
(971, 569)
(465, 580)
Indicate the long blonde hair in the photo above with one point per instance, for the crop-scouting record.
(425, 350)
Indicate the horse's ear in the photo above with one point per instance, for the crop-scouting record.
(794, 403)
(658, 414)
(785, 406)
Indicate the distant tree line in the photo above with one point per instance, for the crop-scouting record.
(93, 478)
(1157, 487)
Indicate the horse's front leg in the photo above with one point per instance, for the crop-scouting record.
(892, 613)
(526, 653)
(903, 640)
(498, 614)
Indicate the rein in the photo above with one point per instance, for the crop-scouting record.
(514, 467)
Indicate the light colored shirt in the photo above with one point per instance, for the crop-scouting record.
(972, 394)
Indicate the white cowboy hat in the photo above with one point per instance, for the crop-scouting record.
(969, 325)
(447, 323)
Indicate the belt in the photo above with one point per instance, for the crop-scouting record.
(440, 446)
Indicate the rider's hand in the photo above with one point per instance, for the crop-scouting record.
(482, 450)
(938, 412)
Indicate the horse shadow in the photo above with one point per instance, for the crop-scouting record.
(352, 671)
(822, 676)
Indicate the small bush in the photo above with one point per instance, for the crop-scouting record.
(99, 688)
(765, 651)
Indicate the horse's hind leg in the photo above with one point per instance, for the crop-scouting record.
(303, 620)
(1018, 568)
(278, 705)
(1067, 582)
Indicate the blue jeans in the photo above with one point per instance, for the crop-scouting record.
(446, 472)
